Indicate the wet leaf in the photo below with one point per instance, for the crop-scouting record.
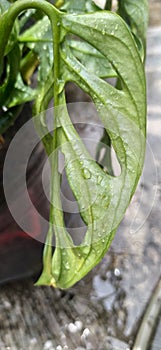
(38, 39)
(94, 61)
(21, 93)
(76, 6)
(102, 198)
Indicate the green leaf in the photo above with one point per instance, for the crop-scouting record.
(76, 6)
(25, 17)
(8, 117)
(38, 38)
(135, 13)
(13, 69)
(21, 93)
(94, 61)
(4, 5)
(102, 199)
(41, 30)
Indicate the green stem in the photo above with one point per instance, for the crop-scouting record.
(8, 18)
(55, 182)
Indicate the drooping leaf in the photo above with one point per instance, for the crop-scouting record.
(102, 199)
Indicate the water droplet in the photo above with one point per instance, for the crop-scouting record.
(116, 26)
(67, 266)
(78, 69)
(103, 32)
(99, 179)
(103, 240)
(86, 250)
(99, 234)
(117, 272)
(86, 174)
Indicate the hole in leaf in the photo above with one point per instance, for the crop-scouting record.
(115, 163)
(72, 218)
(115, 82)
(91, 58)
(88, 125)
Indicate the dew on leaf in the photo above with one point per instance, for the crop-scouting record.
(67, 266)
(86, 174)
(99, 179)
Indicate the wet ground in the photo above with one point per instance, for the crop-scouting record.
(103, 310)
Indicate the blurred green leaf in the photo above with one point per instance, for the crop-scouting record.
(135, 13)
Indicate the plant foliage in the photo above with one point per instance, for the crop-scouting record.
(87, 45)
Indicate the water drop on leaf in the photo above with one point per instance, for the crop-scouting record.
(99, 180)
(86, 174)
(67, 266)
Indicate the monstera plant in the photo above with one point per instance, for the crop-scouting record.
(77, 41)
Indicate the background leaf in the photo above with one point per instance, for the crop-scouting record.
(135, 13)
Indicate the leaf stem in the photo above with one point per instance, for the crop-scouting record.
(8, 18)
